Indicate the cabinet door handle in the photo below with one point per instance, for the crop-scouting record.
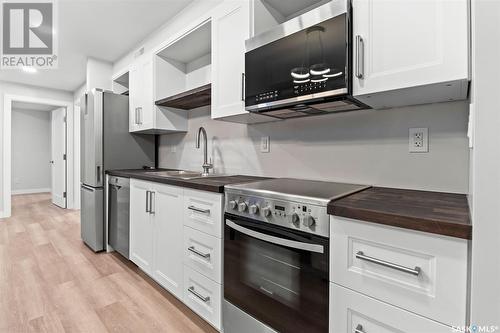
(199, 210)
(147, 201)
(413, 271)
(198, 253)
(359, 329)
(136, 121)
(152, 205)
(197, 294)
(360, 57)
(243, 87)
(139, 112)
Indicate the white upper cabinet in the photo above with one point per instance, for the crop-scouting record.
(231, 27)
(145, 116)
(409, 52)
(141, 102)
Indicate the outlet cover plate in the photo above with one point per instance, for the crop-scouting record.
(418, 140)
(264, 144)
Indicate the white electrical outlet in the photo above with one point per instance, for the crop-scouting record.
(418, 140)
(264, 144)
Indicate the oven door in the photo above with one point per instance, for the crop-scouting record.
(276, 275)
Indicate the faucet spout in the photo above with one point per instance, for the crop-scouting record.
(206, 166)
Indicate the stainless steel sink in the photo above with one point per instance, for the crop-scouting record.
(183, 174)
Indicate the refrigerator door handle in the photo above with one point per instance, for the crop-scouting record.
(98, 174)
(88, 188)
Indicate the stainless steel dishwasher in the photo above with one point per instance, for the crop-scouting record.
(119, 214)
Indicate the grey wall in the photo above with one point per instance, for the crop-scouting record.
(369, 147)
(30, 150)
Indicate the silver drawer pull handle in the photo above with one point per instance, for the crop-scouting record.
(414, 271)
(197, 294)
(198, 253)
(359, 329)
(199, 210)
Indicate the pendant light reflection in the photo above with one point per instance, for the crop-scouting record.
(300, 73)
(301, 81)
(332, 75)
(320, 79)
(319, 69)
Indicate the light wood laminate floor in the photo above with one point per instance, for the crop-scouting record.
(51, 282)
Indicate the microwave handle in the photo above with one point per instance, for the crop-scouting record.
(242, 87)
(276, 240)
(360, 57)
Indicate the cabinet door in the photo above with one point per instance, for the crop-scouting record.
(141, 227)
(146, 114)
(168, 234)
(408, 43)
(230, 29)
(141, 95)
(135, 85)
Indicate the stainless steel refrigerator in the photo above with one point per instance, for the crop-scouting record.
(106, 144)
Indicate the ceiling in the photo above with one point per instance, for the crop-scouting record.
(103, 29)
(33, 106)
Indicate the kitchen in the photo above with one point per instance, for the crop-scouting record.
(219, 159)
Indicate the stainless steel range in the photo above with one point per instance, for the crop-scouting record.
(276, 255)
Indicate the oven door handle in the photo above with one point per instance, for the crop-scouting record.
(276, 240)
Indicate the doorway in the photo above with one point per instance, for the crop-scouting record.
(57, 161)
(39, 150)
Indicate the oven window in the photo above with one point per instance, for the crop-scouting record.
(284, 287)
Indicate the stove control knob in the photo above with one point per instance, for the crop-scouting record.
(253, 209)
(308, 221)
(266, 211)
(295, 218)
(242, 206)
(233, 204)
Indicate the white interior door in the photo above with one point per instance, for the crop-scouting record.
(58, 156)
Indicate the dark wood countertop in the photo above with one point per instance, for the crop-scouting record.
(210, 184)
(433, 212)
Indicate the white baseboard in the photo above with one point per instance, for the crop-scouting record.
(31, 191)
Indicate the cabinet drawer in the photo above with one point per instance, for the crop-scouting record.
(357, 313)
(203, 296)
(202, 252)
(423, 273)
(203, 211)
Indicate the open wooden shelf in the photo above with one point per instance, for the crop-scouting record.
(187, 100)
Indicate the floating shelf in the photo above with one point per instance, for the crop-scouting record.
(188, 100)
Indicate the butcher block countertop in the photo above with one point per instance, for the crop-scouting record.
(434, 212)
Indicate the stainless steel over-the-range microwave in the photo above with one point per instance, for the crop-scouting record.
(302, 67)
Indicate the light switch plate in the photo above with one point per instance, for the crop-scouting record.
(264, 144)
(418, 140)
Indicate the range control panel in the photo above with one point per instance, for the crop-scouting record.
(304, 217)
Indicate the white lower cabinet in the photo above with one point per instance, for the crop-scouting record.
(141, 226)
(167, 242)
(203, 246)
(203, 296)
(156, 232)
(176, 238)
(353, 312)
(202, 252)
(421, 272)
